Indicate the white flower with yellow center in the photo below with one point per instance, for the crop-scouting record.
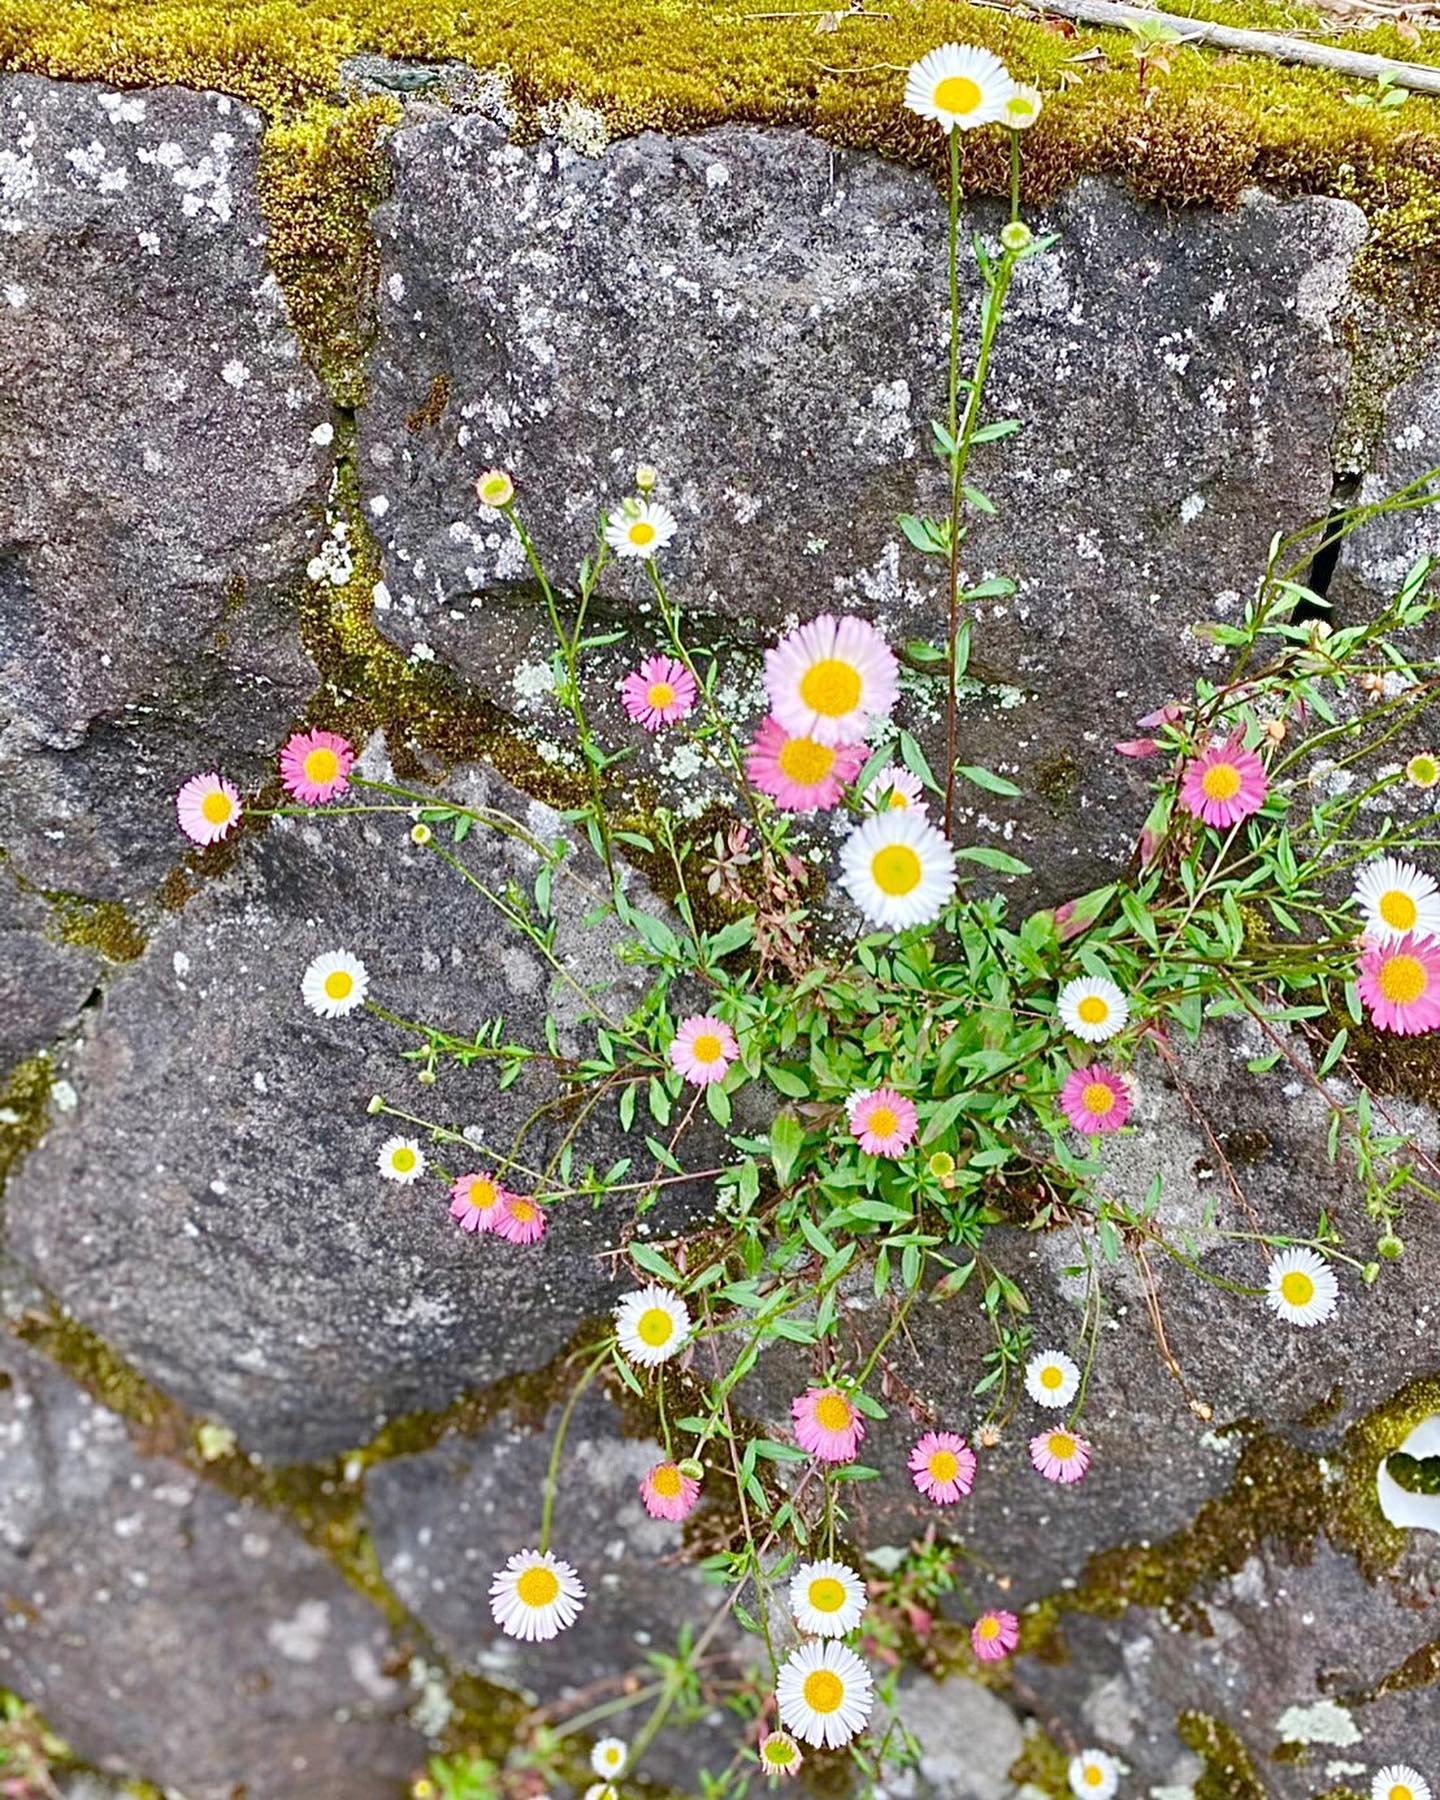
(495, 489)
(899, 870)
(895, 790)
(1051, 1378)
(335, 984)
(1023, 106)
(1398, 1781)
(1397, 899)
(602, 1790)
(831, 679)
(1093, 1008)
(535, 1596)
(652, 1325)
(608, 1756)
(824, 1693)
(958, 85)
(826, 1598)
(1093, 1775)
(1301, 1287)
(401, 1159)
(640, 528)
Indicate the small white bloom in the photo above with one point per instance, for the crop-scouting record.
(335, 984)
(602, 1790)
(1023, 106)
(1093, 1775)
(535, 1596)
(824, 1693)
(958, 85)
(1398, 1781)
(401, 1159)
(826, 1598)
(608, 1756)
(831, 679)
(898, 869)
(640, 528)
(1301, 1287)
(895, 790)
(1093, 1008)
(652, 1325)
(1051, 1378)
(1397, 899)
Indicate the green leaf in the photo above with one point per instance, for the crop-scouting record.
(717, 1103)
(989, 858)
(787, 1138)
(793, 1086)
(984, 778)
(627, 1106)
(653, 1263)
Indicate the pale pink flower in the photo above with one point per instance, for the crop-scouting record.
(831, 679)
(1095, 1099)
(1224, 784)
(667, 1493)
(827, 1424)
(315, 766)
(208, 808)
(1400, 984)
(519, 1221)
(476, 1201)
(1059, 1456)
(882, 1121)
(702, 1049)
(894, 790)
(994, 1635)
(798, 773)
(942, 1466)
(659, 692)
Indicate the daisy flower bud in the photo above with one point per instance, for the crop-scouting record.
(1390, 1247)
(1016, 236)
(495, 489)
(646, 478)
(421, 833)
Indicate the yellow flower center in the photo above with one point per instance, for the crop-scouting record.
(882, 1122)
(660, 694)
(1092, 1010)
(988, 1627)
(805, 762)
(1097, 1098)
(656, 1327)
(1062, 1445)
(895, 869)
(957, 94)
(497, 490)
(707, 1048)
(1424, 771)
(1020, 106)
(339, 984)
(402, 1160)
(944, 1465)
(321, 766)
(831, 688)
(1403, 980)
(1297, 1287)
(1052, 1376)
(824, 1691)
(1094, 1775)
(522, 1210)
(1400, 1792)
(778, 1752)
(1221, 781)
(482, 1194)
(1398, 910)
(642, 532)
(665, 1481)
(216, 807)
(538, 1587)
(832, 1412)
(827, 1595)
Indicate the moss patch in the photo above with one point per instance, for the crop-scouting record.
(101, 925)
(24, 1110)
(1229, 1772)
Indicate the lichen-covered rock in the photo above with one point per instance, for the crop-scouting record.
(170, 1632)
(44, 981)
(162, 456)
(763, 318)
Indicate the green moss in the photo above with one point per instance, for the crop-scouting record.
(1229, 1772)
(24, 1110)
(1056, 777)
(1389, 1064)
(1420, 1669)
(102, 925)
(1042, 1764)
(1356, 1523)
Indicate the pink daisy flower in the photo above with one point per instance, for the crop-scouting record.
(1163, 715)
(476, 1200)
(1224, 784)
(994, 1635)
(519, 1221)
(667, 1493)
(659, 692)
(799, 774)
(1095, 1099)
(315, 766)
(882, 1121)
(1059, 1456)
(208, 808)
(942, 1466)
(827, 1425)
(703, 1049)
(1400, 984)
(831, 679)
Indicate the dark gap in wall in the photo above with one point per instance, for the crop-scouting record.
(1323, 564)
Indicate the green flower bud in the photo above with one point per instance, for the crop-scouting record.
(1390, 1247)
(693, 1468)
(1017, 235)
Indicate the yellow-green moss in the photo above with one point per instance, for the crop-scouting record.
(24, 1109)
(1042, 1764)
(1229, 1772)
(1356, 1523)
(102, 925)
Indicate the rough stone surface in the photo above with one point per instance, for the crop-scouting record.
(43, 982)
(969, 1739)
(159, 473)
(168, 1631)
(763, 318)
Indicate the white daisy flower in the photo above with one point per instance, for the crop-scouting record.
(895, 790)
(1301, 1287)
(825, 1693)
(602, 1790)
(608, 1756)
(640, 528)
(1093, 1775)
(1397, 899)
(1398, 1781)
(826, 1598)
(652, 1325)
(1051, 1378)
(401, 1159)
(1023, 106)
(958, 84)
(335, 984)
(831, 680)
(898, 869)
(535, 1596)
(1093, 1008)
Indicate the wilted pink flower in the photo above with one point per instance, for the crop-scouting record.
(1400, 984)
(827, 1424)
(942, 1466)
(1224, 784)
(476, 1201)
(1163, 715)
(1060, 1456)
(882, 1121)
(519, 1221)
(659, 692)
(315, 766)
(702, 1049)
(667, 1493)
(798, 773)
(208, 808)
(994, 1635)
(1095, 1099)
